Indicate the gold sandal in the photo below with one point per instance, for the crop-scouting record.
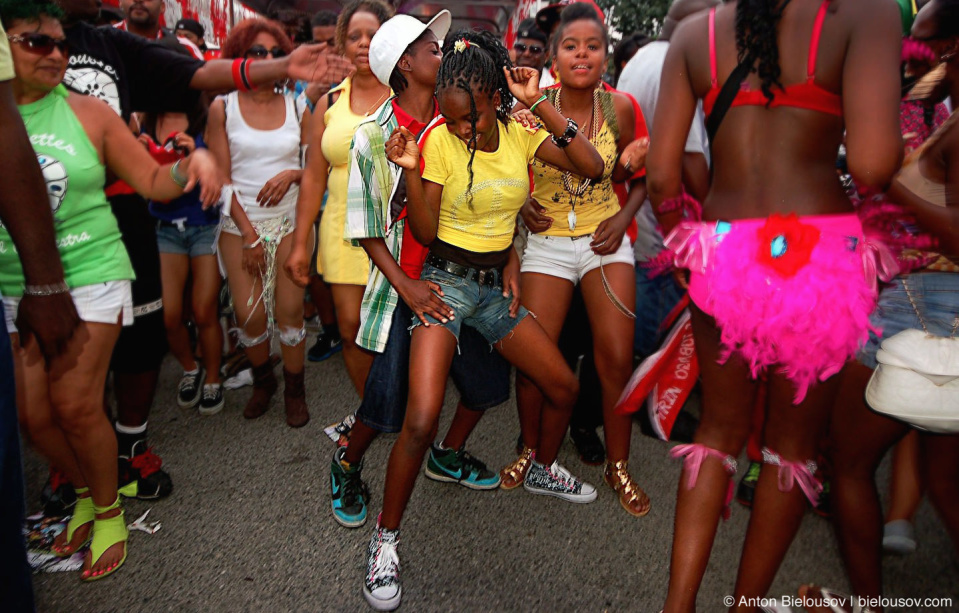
(513, 475)
(617, 477)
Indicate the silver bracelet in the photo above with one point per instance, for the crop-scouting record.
(178, 177)
(50, 289)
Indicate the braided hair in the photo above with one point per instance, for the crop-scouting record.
(473, 62)
(756, 24)
(28, 10)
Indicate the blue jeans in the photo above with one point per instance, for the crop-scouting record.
(15, 583)
(655, 298)
(480, 374)
(481, 306)
(937, 298)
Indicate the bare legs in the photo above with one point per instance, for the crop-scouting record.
(175, 269)
(61, 413)
(792, 431)
(347, 299)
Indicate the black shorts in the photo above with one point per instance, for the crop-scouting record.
(142, 346)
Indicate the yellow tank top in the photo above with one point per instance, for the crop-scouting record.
(597, 204)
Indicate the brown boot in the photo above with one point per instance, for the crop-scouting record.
(264, 386)
(294, 396)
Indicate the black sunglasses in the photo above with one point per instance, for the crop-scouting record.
(260, 52)
(534, 49)
(40, 44)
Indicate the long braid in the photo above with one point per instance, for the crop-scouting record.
(756, 25)
(476, 69)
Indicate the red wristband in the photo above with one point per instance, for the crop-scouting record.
(245, 74)
(237, 75)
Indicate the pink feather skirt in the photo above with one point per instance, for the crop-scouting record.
(791, 292)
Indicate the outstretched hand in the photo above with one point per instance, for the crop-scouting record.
(402, 150)
(523, 83)
(314, 64)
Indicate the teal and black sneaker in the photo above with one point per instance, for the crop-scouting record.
(747, 486)
(454, 466)
(348, 492)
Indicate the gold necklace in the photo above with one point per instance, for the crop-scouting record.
(376, 104)
(577, 191)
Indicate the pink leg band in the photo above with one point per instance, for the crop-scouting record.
(694, 455)
(802, 473)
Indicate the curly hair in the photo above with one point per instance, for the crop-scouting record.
(242, 36)
(29, 10)
(478, 68)
(578, 11)
(379, 9)
(756, 23)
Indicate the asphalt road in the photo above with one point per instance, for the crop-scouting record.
(248, 528)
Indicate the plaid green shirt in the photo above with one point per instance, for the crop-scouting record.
(372, 182)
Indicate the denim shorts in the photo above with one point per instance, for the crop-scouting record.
(192, 241)
(480, 374)
(937, 297)
(481, 306)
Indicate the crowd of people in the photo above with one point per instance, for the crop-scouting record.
(446, 206)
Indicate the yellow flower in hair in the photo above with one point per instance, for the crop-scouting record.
(460, 46)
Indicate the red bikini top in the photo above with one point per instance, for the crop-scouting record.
(807, 95)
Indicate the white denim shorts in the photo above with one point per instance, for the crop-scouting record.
(98, 303)
(570, 257)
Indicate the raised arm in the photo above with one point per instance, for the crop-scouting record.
(423, 197)
(128, 160)
(306, 63)
(579, 156)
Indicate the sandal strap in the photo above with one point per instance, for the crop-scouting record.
(83, 513)
(108, 532)
(618, 477)
(517, 469)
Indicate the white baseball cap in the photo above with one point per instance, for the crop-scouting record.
(391, 40)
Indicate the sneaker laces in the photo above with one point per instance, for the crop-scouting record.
(562, 475)
(188, 380)
(210, 392)
(353, 488)
(472, 463)
(146, 463)
(386, 563)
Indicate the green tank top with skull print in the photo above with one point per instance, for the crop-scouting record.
(87, 234)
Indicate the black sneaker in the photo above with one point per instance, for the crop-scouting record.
(190, 388)
(140, 476)
(452, 466)
(747, 485)
(58, 496)
(326, 345)
(590, 448)
(348, 493)
(211, 402)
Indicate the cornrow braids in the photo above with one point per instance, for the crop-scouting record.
(756, 40)
(473, 62)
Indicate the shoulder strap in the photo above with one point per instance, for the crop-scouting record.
(814, 40)
(726, 96)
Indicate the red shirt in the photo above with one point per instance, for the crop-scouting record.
(412, 253)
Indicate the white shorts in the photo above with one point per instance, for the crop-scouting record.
(570, 257)
(98, 303)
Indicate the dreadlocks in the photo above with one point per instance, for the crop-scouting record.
(756, 23)
(473, 62)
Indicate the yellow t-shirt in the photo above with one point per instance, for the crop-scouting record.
(500, 185)
(6, 62)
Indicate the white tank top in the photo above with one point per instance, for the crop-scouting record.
(257, 156)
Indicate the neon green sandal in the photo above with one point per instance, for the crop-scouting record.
(107, 533)
(83, 514)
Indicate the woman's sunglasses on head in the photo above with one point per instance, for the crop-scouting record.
(260, 52)
(40, 44)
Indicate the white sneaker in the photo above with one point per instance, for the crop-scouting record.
(382, 586)
(557, 481)
(899, 537)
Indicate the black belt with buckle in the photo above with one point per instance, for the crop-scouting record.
(484, 276)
